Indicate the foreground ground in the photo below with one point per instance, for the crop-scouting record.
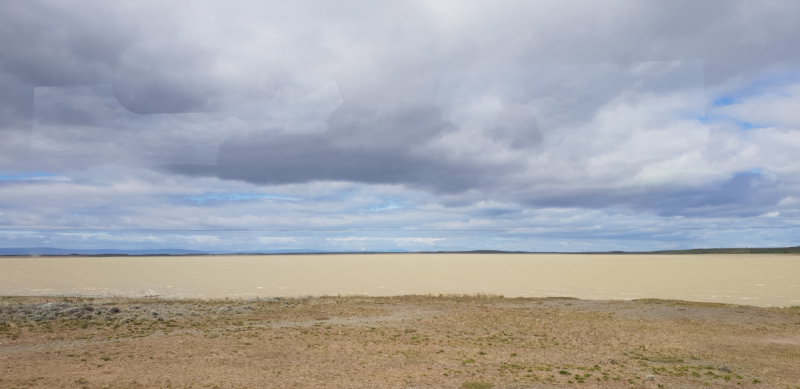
(415, 341)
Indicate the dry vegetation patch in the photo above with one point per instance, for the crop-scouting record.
(412, 341)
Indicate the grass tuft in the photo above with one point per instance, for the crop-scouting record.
(477, 385)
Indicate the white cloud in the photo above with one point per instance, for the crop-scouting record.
(417, 241)
(385, 123)
(275, 239)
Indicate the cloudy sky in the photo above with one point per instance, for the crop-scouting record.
(450, 125)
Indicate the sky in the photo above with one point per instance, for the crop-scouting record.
(400, 126)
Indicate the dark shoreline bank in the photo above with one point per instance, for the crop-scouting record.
(23, 252)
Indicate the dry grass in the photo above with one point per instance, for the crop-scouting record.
(412, 341)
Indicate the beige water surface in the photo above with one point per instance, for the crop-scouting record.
(762, 280)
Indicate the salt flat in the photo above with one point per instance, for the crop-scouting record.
(750, 279)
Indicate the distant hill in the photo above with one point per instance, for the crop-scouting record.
(58, 251)
(34, 251)
(763, 250)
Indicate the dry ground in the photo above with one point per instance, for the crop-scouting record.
(389, 342)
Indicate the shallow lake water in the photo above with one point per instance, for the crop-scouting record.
(762, 280)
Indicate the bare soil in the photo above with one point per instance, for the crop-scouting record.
(395, 342)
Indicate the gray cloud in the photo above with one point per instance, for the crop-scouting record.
(481, 134)
(362, 145)
(597, 105)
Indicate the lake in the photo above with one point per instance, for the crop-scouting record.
(761, 280)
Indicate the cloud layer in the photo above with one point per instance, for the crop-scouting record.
(568, 120)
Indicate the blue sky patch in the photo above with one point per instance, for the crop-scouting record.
(744, 125)
(757, 87)
(725, 100)
(24, 176)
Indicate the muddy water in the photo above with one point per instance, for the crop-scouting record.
(762, 280)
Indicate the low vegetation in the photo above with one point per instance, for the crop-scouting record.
(412, 341)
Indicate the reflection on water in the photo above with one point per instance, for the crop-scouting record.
(763, 280)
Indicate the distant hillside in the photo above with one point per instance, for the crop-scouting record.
(58, 251)
(35, 251)
(763, 250)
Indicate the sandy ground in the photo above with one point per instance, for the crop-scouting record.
(395, 342)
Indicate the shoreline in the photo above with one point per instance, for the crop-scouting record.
(154, 299)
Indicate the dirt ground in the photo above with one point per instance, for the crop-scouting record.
(395, 342)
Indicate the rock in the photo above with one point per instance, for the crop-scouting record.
(650, 377)
(155, 313)
(135, 307)
(725, 369)
(70, 311)
(113, 310)
(247, 307)
(88, 308)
